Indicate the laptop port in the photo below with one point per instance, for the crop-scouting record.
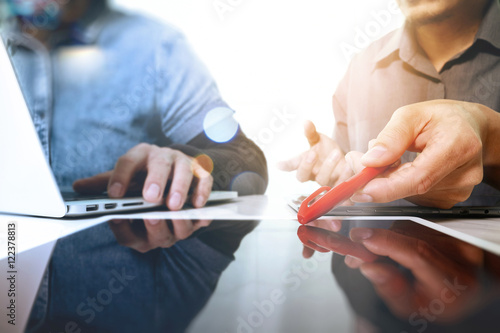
(129, 204)
(110, 206)
(92, 208)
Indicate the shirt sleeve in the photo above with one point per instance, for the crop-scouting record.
(185, 90)
(186, 96)
(238, 165)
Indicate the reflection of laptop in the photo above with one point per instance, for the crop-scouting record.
(405, 208)
(27, 185)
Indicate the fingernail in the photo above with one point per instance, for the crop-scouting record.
(115, 190)
(175, 201)
(374, 154)
(360, 198)
(374, 275)
(311, 156)
(200, 201)
(352, 262)
(336, 225)
(361, 234)
(152, 193)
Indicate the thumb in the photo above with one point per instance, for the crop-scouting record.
(93, 185)
(398, 135)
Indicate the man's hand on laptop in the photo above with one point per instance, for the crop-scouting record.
(159, 165)
(323, 162)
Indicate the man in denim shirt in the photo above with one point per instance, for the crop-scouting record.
(112, 88)
(120, 101)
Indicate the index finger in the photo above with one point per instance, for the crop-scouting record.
(334, 242)
(410, 179)
(310, 132)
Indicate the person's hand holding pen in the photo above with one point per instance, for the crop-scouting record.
(324, 162)
(456, 142)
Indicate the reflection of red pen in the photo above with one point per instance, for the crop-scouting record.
(326, 198)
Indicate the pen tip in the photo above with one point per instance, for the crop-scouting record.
(301, 219)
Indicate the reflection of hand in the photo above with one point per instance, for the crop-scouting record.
(151, 234)
(451, 139)
(323, 162)
(328, 224)
(444, 273)
(160, 164)
(321, 239)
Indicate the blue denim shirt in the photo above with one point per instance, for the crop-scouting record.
(119, 80)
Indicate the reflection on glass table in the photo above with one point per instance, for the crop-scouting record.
(247, 277)
(134, 275)
(404, 277)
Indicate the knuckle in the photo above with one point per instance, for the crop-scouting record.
(143, 146)
(166, 150)
(160, 160)
(424, 184)
(477, 176)
(126, 159)
(463, 194)
(471, 177)
(474, 148)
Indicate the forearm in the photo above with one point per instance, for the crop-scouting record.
(237, 165)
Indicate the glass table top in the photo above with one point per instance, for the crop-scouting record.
(266, 276)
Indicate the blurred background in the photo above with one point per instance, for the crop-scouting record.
(277, 62)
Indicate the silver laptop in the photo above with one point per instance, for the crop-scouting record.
(27, 185)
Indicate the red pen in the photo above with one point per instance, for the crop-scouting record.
(326, 198)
